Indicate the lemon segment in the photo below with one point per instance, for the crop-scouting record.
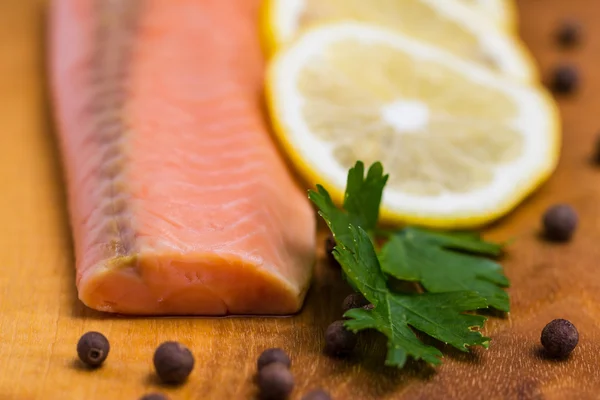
(462, 145)
(448, 24)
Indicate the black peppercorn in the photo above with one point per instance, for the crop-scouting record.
(559, 338)
(568, 33)
(329, 246)
(275, 381)
(338, 340)
(273, 355)
(354, 300)
(154, 396)
(93, 348)
(565, 79)
(173, 362)
(560, 222)
(317, 394)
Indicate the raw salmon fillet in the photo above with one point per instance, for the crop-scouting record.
(179, 201)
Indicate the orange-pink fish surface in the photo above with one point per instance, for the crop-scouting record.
(179, 201)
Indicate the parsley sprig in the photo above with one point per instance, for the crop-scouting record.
(453, 269)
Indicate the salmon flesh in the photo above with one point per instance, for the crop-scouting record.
(179, 202)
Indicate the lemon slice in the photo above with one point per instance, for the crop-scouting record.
(463, 145)
(448, 24)
(502, 12)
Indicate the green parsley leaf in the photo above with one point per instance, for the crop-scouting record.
(438, 315)
(363, 195)
(361, 200)
(431, 259)
(465, 241)
(450, 266)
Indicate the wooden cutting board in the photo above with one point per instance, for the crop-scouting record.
(41, 318)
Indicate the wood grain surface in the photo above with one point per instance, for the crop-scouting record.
(41, 318)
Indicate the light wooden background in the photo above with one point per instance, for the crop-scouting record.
(41, 318)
